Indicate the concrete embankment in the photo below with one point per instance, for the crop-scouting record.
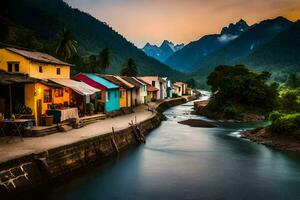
(31, 171)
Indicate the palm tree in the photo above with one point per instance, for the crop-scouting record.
(104, 59)
(130, 68)
(66, 46)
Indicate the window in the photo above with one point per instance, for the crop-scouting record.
(153, 83)
(9, 67)
(58, 92)
(108, 96)
(47, 96)
(17, 68)
(115, 94)
(58, 71)
(40, 69)
(13, 67)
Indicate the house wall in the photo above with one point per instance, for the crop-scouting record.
(112, 100)
(135, 97)
(94, 84)
(143, 94)
(128, 96)
(123, 97)
(35, 92)
(31, 68)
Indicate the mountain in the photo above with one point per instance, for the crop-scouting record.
(36, 24)
(191, 56)
(280, 56)
(164, 51)
(238, 49)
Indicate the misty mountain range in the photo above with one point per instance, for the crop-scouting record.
(162, 52)
(272, 45)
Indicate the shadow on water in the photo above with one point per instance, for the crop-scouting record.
(182, 162)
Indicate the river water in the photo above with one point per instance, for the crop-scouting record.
(181, 162)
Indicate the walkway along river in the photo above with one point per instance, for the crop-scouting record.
(182, 162)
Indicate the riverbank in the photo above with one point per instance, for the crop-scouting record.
(27, 164)
(284, 143)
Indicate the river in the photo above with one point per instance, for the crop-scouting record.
(181, 162)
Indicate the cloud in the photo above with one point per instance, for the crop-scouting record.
(226, 38)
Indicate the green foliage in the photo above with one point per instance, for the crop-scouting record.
(289, 101)
(130, 68)
(104, 59)
(275, 115)
(236, 85)
(287, 124)
(192, 83)
(66, 45)
(231, 112)
(293, 81)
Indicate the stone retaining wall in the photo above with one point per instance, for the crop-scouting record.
(28, 172)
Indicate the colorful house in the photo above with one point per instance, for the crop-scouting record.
(151, 93)
(143, 90)
(183, 87)
(177, 89)
(136, 96)
(168, 87)
(38, 94)
(110, 95)
(124, 89)
(158, 83)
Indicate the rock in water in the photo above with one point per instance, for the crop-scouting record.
(197, 123)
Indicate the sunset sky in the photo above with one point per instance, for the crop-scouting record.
(181, 21)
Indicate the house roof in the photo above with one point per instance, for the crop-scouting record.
(125, 82)
(179, 83)
(78, 86)
(18, 78)
(141, 80)
(102, 81)
(151, 88)
(116, 81)
(152, 78)
(132, 81)
(37, 56)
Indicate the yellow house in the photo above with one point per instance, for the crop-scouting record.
(38, 65)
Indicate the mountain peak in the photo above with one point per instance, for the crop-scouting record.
(235, 29)
(164, 51)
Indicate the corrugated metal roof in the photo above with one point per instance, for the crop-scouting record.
(132, 81)
(38, 56)
(125, 82)
(116, 81)
(78, 86)
(102, 81)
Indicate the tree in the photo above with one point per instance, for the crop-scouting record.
(236, 85)
(104, 59)
(66, 46)
(93, 63)
(289, 101)
(293, 81)
(130, 68)
(191, 83)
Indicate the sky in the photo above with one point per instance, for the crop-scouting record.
(181, 21)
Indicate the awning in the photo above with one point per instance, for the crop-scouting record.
(79, 87)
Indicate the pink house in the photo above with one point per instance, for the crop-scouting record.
(157, 82)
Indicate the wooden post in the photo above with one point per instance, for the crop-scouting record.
(84, 105)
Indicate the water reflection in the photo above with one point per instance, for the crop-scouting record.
(182, 162)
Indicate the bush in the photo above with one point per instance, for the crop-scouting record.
(286, 124)
(231, 112)
(275, 115)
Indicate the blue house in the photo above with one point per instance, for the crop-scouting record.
(110, 95)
